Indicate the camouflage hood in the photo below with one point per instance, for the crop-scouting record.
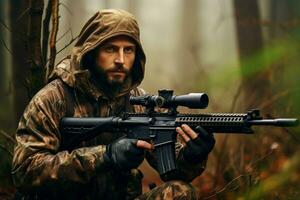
(102, 26)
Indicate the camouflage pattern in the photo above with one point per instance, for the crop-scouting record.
(172, 190)
(42, 168)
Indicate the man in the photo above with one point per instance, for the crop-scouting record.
(104, 69)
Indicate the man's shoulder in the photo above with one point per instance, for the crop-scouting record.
(53, 91)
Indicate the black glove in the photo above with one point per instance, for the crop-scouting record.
(123, 154)
(197, 150)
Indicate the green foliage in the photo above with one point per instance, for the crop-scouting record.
(288, 175)
(249, 170)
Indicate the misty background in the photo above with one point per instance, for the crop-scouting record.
(243, 53)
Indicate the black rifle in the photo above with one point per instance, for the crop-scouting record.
(160, 127)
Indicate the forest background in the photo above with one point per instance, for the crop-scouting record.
(243, 53)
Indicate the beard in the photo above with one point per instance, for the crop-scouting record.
(112, 81)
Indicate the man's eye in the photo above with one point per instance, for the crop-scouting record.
(109, 49)
(129, 50)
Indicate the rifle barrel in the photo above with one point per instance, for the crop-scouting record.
(284, 122)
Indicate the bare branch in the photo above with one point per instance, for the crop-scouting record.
(4, 44)
(292, 134)
(276, 97)
(242, 175)
(63, 35)
(221, 157)
(22, 35)
(238, 92)
(226, 186)
(5, 149)
(66, 7)
(10, 138)
(5, 26)
(69, 43)
(7, 136)
(23, 13)
(221, 17)
(53, 37)
(255, 162)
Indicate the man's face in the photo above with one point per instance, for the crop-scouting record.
(115, 59)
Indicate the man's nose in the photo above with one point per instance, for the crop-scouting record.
(120, 57)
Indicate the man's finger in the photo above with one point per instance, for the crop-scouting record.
(192, 134)
(144, 145)
(204, 135)
(185, 137)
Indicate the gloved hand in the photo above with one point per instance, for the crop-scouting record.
(198, 146)
(124, 154)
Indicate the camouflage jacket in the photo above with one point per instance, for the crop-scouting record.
(41, 168)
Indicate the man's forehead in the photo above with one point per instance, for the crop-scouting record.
(120, 39)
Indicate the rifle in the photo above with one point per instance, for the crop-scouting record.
(160, 127)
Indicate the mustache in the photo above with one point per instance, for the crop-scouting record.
(117, 69)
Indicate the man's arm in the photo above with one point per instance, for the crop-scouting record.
(38, 160)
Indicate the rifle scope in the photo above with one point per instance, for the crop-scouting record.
(166, 99)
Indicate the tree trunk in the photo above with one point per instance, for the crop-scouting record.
(255, 76)
(5, 71)
(255, 80)
(284, 25)
(188, 46)
(37, 70)
(20, 68)
(28, 72)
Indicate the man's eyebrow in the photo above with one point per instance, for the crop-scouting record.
(131, 45)
(108, 44)
(114, 45)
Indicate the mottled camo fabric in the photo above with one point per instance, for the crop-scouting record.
(42, 167)
(171, 190)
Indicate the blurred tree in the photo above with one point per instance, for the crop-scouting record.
(5, 78)
(2, 53)
(6, 141)
(133, 6)
(31, 63)
(28, 68)
(188, 43)
(231, 164)
(255, 75)
(284, 31)
(28, 72)
(282, 16)
(20, 68)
